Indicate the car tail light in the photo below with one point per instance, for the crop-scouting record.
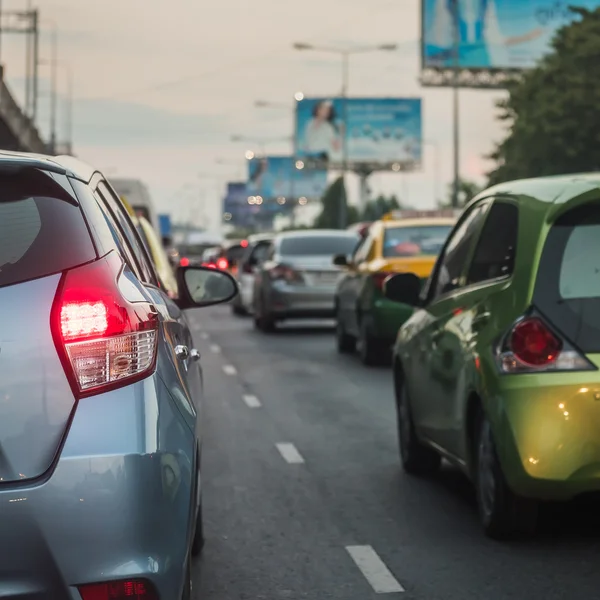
(222, 263)
(184, 262)
(104, 328)
(532, 346)
(285, 273)
(244, 243)
(379, 278)
(129, 589)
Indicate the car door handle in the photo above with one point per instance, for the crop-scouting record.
(182, 352)
(195, 354)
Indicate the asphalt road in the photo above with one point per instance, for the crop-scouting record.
(304, 496)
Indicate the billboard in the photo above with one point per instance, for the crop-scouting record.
(492, 34)
(276, 178)
(379, 132)
(236, 209)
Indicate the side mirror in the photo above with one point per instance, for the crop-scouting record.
(341, 260)
(203, 286)
(403, 287)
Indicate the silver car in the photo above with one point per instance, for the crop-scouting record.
(100, 487)
(298, 278)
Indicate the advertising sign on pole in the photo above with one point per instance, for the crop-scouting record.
(492, 34)
(381, 133)
(277, 178)
(236, 210)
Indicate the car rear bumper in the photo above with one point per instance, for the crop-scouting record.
(117, 504)
(387, 318)
(547, 433)
(290, 301)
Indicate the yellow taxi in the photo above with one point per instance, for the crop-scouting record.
(402, 241)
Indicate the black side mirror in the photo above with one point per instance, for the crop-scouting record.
(341, 260)
(403, 287)
(204, 286)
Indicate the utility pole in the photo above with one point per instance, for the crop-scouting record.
(54, 91)
(455, 105)
(36, 62)
(345, 79)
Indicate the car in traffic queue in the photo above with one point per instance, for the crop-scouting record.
(229, 255)
(194, 245)
(298, 278)
(401, 241)
(101, 387)
(497, 370)
(255, 254)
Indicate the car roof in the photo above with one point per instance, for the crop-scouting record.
(260, 237)
(303, 233)
(424, 222)
(66, 165)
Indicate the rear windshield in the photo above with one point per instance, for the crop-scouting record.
(568, 282)
(194, 249)
(42, 229)
(319, 245)
(426, 240)
(235, 253)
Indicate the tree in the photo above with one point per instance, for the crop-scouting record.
(467, 190)
(332, 200)
(553, 112)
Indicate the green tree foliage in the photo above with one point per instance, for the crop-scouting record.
(332, 200)
(467, 190)
(553, 112)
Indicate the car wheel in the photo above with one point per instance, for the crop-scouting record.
(346, 344)
(503, 513)
(198, 540)
(371, 351)
(416, 458)
(238, 310)
(262, 320)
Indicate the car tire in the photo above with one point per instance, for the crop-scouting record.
(263, 322)
(416, 458)
(372, 352)
(198, 539)
(503, 514)
(238, 310)
(346, 343)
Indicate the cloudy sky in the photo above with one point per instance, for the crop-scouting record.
(160, 87)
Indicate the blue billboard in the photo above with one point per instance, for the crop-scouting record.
(236, 209)
(377, 131)
(493, 34)
(277, 178)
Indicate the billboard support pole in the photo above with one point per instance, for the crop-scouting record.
(345, 77)
(455, 106)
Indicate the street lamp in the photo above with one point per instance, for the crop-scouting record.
(345, 53)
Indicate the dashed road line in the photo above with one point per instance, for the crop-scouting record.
(252, 401)
(215, 349)
(373, 568)
(203, 335)
(290, 453)
(229, 370)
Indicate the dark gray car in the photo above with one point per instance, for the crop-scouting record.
(298, 279)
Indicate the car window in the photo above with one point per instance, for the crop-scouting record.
(494, 254)
(235, 253)
(259, 253)
(452, 263)
(363, 249)
(42, 228)
(318, 245)
(567, 289)
(119, 213)
(422, 240)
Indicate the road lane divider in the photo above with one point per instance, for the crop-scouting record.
(374, 570)
(229, 370)
(251, 401)
(289, 453)
(203, 335)
(215, 349)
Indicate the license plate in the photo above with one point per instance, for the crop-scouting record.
(325, 278)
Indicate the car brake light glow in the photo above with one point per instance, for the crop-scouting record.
(184, 262)
(222, 263)
(106, 340)
(285, 273)
(379, 278)
(131, 589)
(531, 346)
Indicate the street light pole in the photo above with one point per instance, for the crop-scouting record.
(455, 106)
(54, 91)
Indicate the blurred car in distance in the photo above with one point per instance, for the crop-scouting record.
(298, 278)
(101, 388)
(194, 244)
(497, 369)
(255, 254)
(364, 317)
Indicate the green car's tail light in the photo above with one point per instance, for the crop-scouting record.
(531, 346)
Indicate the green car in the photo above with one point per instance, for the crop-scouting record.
(497, 368)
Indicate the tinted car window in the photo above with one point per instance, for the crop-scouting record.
(260, 252)
(415, 241)
(495, 251)
(235, 253)
(42, 229)
(317, 245)
(194, 249)
(568, 282)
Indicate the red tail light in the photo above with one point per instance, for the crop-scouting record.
(184, 262)
(379, 278)
(103, 327)
(133, 589)
(532, 346)
(285, 273)
(244, 243)
(222, 263)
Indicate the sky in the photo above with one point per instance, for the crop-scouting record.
(161, 87)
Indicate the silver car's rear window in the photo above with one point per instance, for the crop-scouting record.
(42, 229)
(318, 245)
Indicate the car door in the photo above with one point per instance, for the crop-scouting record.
(248, 268)
(184, 379)
(435, 354)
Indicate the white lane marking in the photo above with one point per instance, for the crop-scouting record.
(252, 401)
(229, 370)
(373, 568)
(215, 349)
(203, 335)
(290, 454)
